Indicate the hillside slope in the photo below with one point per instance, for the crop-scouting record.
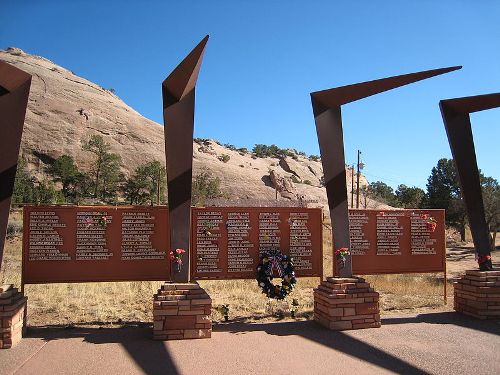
(63, 109)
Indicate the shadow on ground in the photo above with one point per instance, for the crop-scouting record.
(449, 317)
(137, 341)
(345, 343)
(338, 341)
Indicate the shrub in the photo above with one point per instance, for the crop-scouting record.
(224, 158)
(205, 186)
(14, 229)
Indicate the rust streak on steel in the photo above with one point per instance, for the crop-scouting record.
(178, 91)
(456, 118)
(14, 91)
(328, 118)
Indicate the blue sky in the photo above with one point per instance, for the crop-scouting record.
(265, 57)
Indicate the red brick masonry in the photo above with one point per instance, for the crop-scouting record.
(12, 305)
(346, 303)
(181, 311)
(478, 294)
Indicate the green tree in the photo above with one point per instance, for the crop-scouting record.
(409, 197)
(65, 171)
(46, 193)
(147, 184)
(264, 151)
(205, 186)
(24, 186)
(381, 191)
(443, 192)
(111, 178)
(105, 171)
(491, 199)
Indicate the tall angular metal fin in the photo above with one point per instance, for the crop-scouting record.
(178, 114)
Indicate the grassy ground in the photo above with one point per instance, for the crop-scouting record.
(117, 303)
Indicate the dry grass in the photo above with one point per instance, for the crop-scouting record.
(117, 303)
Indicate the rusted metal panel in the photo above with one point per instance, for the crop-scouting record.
(14, 91)
(397, 241)
(227, 241)
(76, 244)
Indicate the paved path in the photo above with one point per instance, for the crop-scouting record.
(439, 343)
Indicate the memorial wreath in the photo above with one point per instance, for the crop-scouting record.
(269, 260)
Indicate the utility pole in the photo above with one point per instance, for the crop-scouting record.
(352, 186)
(361, 165)
(357, 182)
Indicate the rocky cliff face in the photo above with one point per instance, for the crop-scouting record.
(63, 109)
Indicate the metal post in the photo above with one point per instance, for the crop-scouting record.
(456, 118)
(445, 294)
(357, 183)
(14, 91)
(178, 114)
(326, 106)
(352, 186)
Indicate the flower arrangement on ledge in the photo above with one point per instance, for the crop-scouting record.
(430, 222)
(484, 262)
(176, 258)
(341, 256)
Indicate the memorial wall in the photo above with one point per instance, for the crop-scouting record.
(226, 241)
(397, 241)
(98, 243)
(108, 243)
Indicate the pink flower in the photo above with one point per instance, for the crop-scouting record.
(342, 252)
(180, 251)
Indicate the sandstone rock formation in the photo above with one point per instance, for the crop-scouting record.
(64, 109)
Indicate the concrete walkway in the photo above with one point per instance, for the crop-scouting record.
(440, 343)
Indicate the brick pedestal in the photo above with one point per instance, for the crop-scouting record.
(478, 294)
(181, 311)
(12, 305)
(346, 303)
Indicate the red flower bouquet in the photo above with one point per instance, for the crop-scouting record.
(176, 258)
(341, 255)
(430, 222)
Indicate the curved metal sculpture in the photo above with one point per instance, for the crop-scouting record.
(456, 118)
(14, 91)
(327, 115)
(178, 114)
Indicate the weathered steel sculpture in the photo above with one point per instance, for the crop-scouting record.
(327, 115)
(14, 91)
(456, 118)
(178, 115)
